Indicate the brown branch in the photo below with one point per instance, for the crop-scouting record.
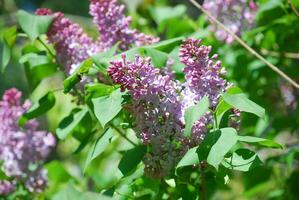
(293, 8)
(290, 55)
(248, 48)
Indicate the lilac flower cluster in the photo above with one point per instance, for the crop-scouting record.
(73, 45)
(22, 150)
(113, 25)
(156, 108)
(159, 102)
(237, 15)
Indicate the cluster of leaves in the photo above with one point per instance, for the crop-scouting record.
(107, 153)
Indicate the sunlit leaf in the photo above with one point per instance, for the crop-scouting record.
(242, 103)
(34, 25)
(260, 141)
(98, 147)
(193, 114)
(75, 120)
(39, 108)
(107, 107)
(242, 160)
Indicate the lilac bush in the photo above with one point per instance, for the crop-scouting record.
(22, 150)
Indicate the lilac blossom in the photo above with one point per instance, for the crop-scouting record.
(114, 26)
(6, 187)
(157, 111)
(159, 102)
(236, 15)
(71, 43)
(22, 150)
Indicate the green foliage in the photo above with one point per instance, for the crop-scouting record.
(99, 146)
(78, 123)
(39, 108)
(107, 107)
(193, 113)
(8, 39)
(34, 25)
(131, 159)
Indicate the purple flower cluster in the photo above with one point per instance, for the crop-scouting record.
(159, 102)
(156, 108)
(73, 45)
(22, 150)
(236, 15)
(114, 26)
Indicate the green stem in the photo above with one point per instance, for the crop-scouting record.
(121, 133)
(48, 49)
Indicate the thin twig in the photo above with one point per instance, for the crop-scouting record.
(122, 134)
(48, 49)
(290, 55)
(252, 51)
(293, 8)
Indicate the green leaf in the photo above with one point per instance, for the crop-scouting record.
(193, 113)
(222, 106)
(107, 107)
(39, 108)
(161, 14)
(98, 147)
(102, 60)
(34, 25)
(57, 172)
(242, 160)
(190, 158)
(70, 82)
(159, 58)
(242, 103)
(131, 159)
(225, 142)
(216, 145)
(37, 67)
(167, 45)
(8, 39)
(75, 120)
(260, 141)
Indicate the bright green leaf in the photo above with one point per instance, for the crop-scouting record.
(107, 107)
(225, 142)
(69, 123)
(260, 141)
(99, 146)
(34, 25)
(161, 14)
(242, 103)
(190, 158)
(193, 113)
(70, 82)
(8, 39)
(39, 108)
(242, 160)
(159, 58)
